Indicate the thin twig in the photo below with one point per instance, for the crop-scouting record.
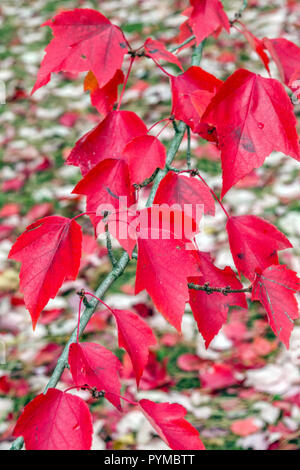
(239, 13)
(118, 270)
(188, 152)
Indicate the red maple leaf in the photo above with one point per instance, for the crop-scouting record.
(92, 364)
(107, 140)
(104, 185)
(192, 92)
(83, 40)
(50, 252)
(218, 376)
(207, 17)
(254, 243)
(275, 289)
(261, 120)
(55, 421)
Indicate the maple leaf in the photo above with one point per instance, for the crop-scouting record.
(83, 40)
(254, 243)
(286, 56)
(55, 421)
(157, 51)
(153, 154)
(218, 376)
(207, 17)
(162, 247)
(192, 92)
(168, 421)
(104, 186)
(188, 193)
(136, 337)
(92, 364)
(50, 252)
(103, 98)
(107, 140)
(210, 311)
(261, 120)
(275, 289)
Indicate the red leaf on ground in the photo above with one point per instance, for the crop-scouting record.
(83, 40)
(106, 140)
(261, 120)
(192, 91)
(92, 364)
(254, 243)
(143, 155)
(244, 427)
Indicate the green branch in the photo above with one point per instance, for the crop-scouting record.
(222, 290)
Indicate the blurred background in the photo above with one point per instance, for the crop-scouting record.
(244, 391)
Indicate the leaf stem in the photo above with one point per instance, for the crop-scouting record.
(156, 123)
(184, 43)
(132, 58)
(83, 213)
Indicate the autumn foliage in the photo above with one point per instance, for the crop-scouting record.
(247, 117)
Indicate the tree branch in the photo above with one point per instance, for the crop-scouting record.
(111, 255)
(222, 290)
(118, 270)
